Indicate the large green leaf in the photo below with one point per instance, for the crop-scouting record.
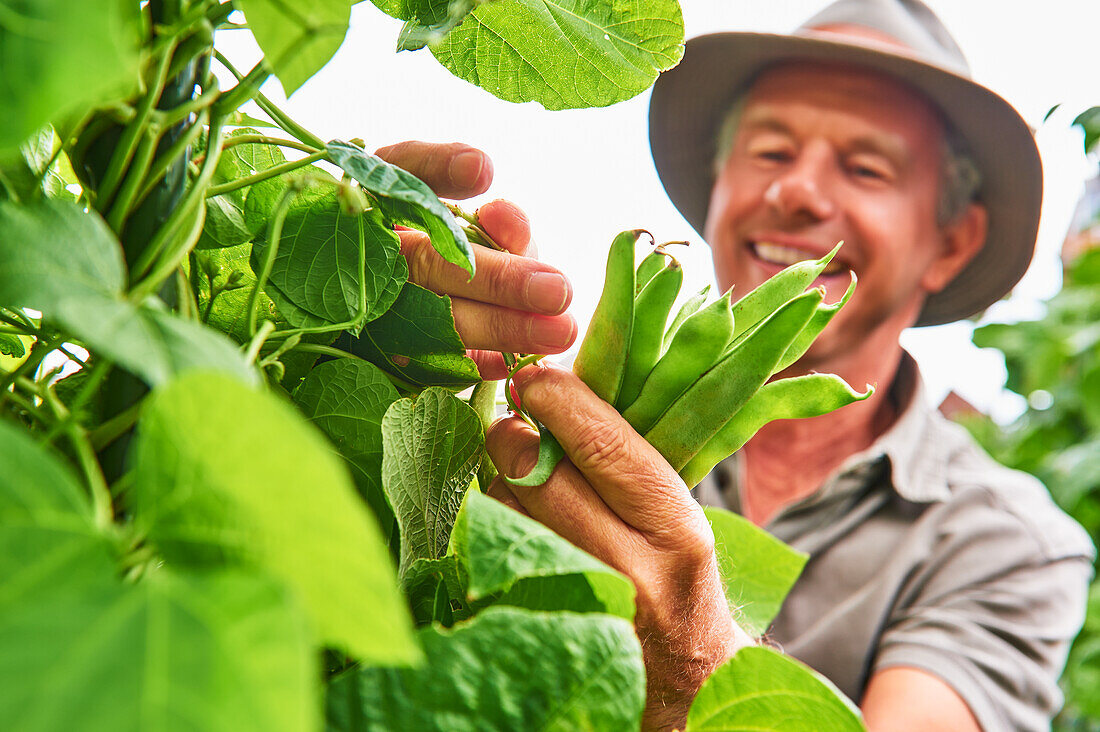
(431, 448)
(431, 20)
(565, 54)
(59, 56)
(405, 199)
(416, 341)
(761, 689)
(757, 569)
(347, 399)
(298, 37)
(504, 553)
(316, 266)
(227, 650)
(506, 669)
(66, 263)
(226, 473)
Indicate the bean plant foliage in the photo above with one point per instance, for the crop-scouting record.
(251, 499)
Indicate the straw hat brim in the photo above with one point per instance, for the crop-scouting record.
(689, 101)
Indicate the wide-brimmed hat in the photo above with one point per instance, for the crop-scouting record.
(689, 102)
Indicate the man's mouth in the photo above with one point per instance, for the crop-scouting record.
(784, 256)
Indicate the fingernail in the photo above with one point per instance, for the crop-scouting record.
(552, 335)
(465, 169)
(547, 292)
(523, 377)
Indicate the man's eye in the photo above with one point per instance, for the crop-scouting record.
(775, 156)
(868, 172)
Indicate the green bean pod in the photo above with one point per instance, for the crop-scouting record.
(689, 308)
(651, 310)
(601, 359)
(697, 346)
(813, 329)
(798, 397)
(718, 394)
(550, 453)
(757, 305)
(650, 265)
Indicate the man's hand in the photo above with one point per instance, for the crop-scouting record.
(513, 303)
(618, 499)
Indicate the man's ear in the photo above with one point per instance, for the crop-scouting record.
(961, 241)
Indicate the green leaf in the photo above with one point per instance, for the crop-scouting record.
(174, 652)
(431, 447)
(761, 689)
(405, 199)
(757, 569)
(416, 341)
(74, 275)
(565, 54)
(505, 669)
(1089, 122)
(431, 20)
(499, 547)
(224, 225)
(35, 488)
(12, 345)
(60, 56)
(297, 37)
(225, 473)
(347, 399)
(435, 590)
(316, 266)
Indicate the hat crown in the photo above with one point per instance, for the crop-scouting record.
(909, 22)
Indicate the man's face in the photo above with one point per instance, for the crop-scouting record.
(828, 154)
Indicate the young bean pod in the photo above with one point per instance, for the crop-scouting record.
(813, 329)
(601, 359)
(716, 396)
(651, 309)
(650, 265)
(794, 398)
(550, 453)
(757, 305)
(696, 347)
(689, 308)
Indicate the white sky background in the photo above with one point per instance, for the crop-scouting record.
(584, 175)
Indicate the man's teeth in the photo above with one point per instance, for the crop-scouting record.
(786, 256)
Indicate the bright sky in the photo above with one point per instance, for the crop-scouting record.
(584, 175)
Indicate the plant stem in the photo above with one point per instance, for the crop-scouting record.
(266, 140)
(171, 117)
(269, 257)
(246, 88)
(280, 117)
(257, 341)
(122, 204)
(169, 260)
(128, 143)
(272, 172)
(164, 160)
(115, 427)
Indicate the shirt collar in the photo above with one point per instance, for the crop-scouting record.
(917, 447)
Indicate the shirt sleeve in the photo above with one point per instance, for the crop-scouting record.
(992, 613)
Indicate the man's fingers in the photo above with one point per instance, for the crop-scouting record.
(452, 170)
(626, 471)
(565, 503)
(503, 279)
(508, 225)
(499, 490)
(490, 327)
(490, 364)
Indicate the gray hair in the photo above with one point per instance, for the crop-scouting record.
(960, 177)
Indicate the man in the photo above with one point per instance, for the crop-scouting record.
(942, 591)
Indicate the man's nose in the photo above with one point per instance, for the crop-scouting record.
(802, 189)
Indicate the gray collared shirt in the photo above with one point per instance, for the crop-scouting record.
(926, 553)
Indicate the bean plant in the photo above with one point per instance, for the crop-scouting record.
(239, 488)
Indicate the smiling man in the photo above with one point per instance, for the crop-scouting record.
(942, 590)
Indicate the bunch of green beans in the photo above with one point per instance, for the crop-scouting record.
(699, 388)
